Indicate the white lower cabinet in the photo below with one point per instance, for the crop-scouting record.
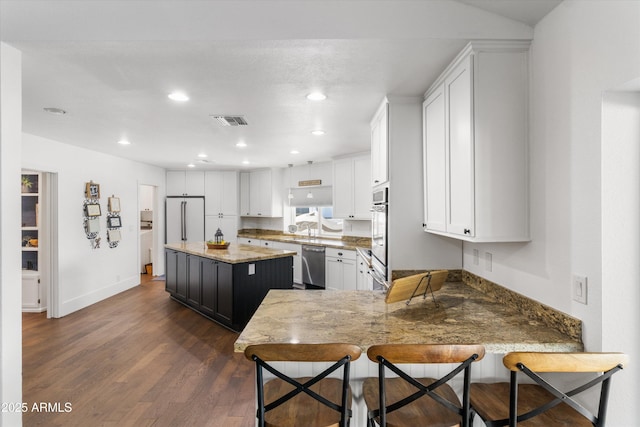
(364, 281)
(297, 258)
(249, 241)
(32, 297)
(340, 269)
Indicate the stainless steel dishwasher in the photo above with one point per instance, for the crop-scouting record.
(313, 267)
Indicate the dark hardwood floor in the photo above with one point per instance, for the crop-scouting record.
(136, 359)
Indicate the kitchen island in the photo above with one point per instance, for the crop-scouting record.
(464, 315)
(225, 285)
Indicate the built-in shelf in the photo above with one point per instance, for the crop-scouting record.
(32, 296)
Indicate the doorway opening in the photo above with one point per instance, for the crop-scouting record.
(39, 229)
(148, 230)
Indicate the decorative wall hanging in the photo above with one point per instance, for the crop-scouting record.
(113, 236)
(91, 222)
(114, 204)
(92, 190)
(92, 209)
(114, 223)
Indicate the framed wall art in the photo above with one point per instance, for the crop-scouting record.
(92, 209)
(114, 222)
(113, 236)
(114, 204)
(92, 190)
(93, 225)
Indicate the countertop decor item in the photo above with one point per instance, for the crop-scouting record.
(214, 245)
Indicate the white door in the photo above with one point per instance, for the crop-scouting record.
(435, 162)
(185, 219)
(343, 188)
(461, 167)
(194, 219)
(361, 188)
(229, 202)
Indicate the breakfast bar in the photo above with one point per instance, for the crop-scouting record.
(463, 315)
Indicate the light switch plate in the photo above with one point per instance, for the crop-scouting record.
(579, 289)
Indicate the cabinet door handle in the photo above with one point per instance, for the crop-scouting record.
(467, 231)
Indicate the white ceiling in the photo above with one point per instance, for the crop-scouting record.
(111, 64)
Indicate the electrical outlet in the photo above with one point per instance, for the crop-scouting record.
(476, 257)
(488, 261)
(580, 289)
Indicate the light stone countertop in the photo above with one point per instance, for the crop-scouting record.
(350, 244)
(234, 254)
(465, 316)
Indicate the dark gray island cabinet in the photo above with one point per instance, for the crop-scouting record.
(225, 285)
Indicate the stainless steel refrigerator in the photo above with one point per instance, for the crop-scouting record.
(184, 219)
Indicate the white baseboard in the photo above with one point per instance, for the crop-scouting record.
(78, 303)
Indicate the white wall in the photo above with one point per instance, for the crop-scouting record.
(621, 239)
(10, 257)
(89, 275)
(580, 50)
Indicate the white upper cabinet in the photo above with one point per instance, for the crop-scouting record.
(434, 151)
(264, 190)
(181, 183)
(244, 193)
(352, 188)
(475, 145)
(221, 193)
(380, 145)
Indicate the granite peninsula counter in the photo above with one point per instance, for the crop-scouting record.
(225, 285)
(464, 316)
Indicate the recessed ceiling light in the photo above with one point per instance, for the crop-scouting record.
(317, 132)
(245, 162)
(241, 144)
(55, 110)
(316, 96)
(191, 165)
(294, 152)
(202, 155)
(178, 96)
(123, 142)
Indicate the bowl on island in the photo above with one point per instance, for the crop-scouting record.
(213, 245)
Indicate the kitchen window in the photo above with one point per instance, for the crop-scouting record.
(318, 221)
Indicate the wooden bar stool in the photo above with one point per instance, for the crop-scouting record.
(542, 404)
(407, 401)
(318, 401)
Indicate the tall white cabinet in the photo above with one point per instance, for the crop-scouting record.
(475, 145)
(351, 188)
(221, 204)
(380, 145)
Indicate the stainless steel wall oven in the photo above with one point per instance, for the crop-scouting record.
(379, 230)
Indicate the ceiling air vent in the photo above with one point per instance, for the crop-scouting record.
(230, 120)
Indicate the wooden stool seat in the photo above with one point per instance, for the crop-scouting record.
(303, 406)
(542, 404)
(317, 401)
(417, 411)
(408, 401)
(530, 396)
